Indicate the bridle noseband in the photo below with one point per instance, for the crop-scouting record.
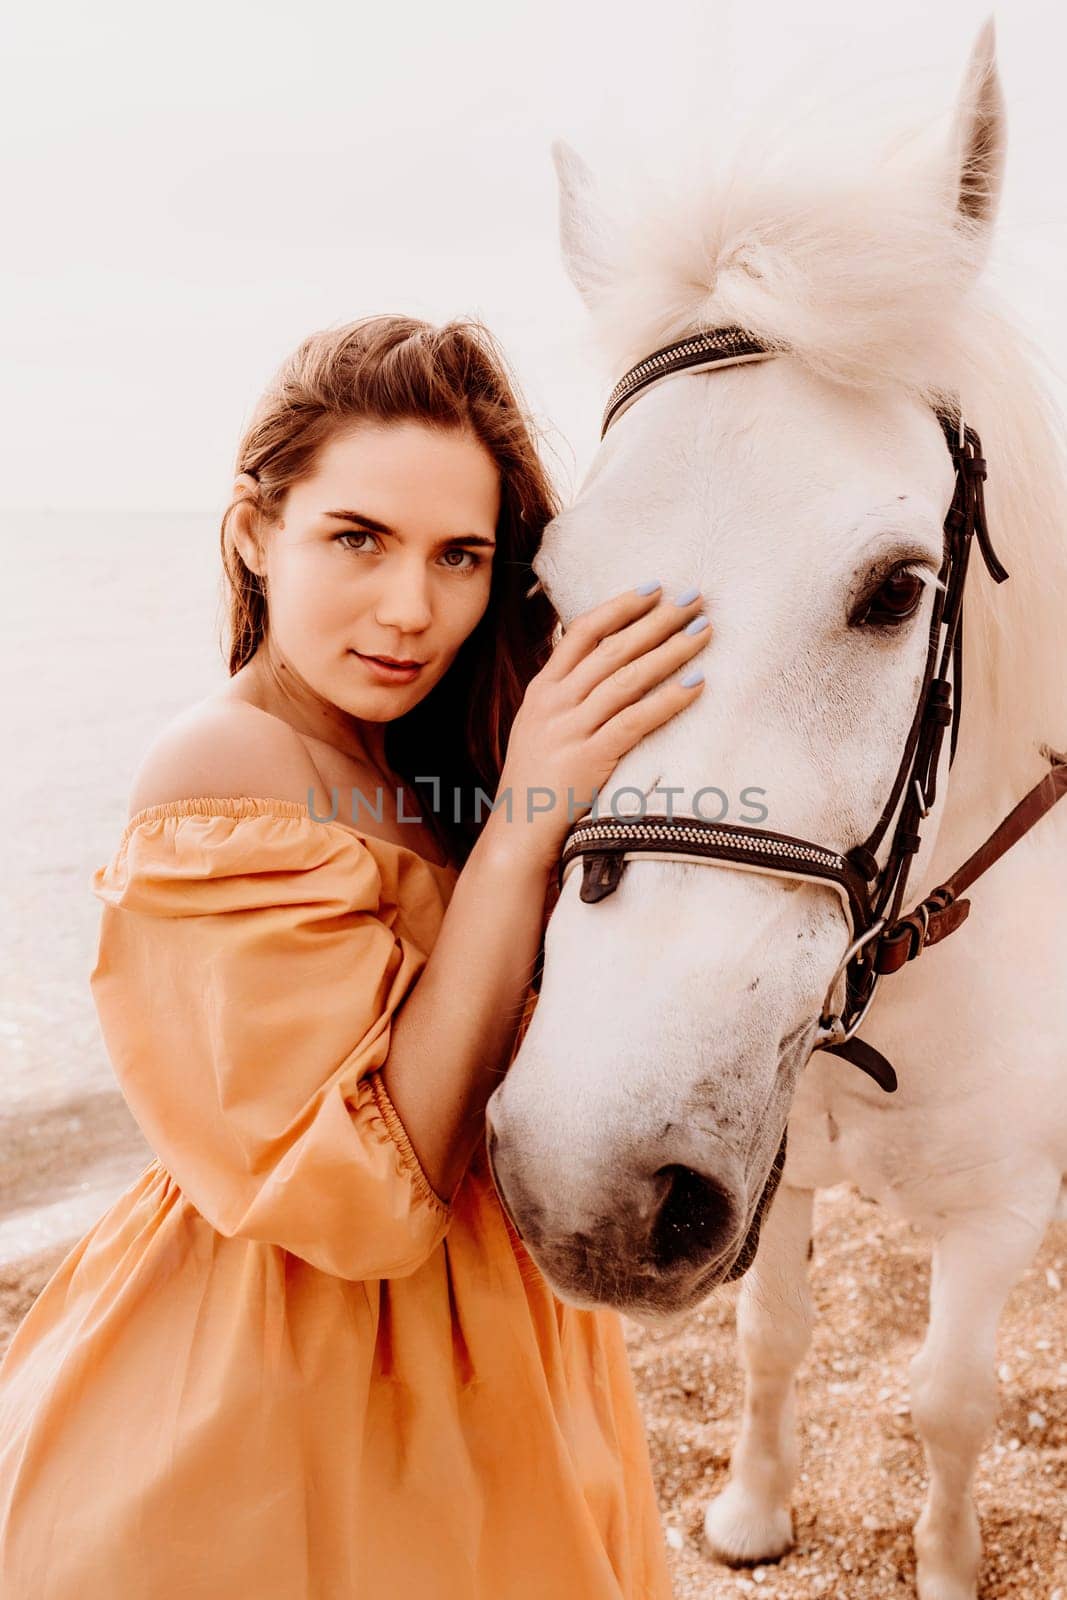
(872, 897)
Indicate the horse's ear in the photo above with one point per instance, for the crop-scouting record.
(979, 136)
(587, 235)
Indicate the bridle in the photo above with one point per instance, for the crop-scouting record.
(872, 897)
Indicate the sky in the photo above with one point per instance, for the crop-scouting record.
(189, 191)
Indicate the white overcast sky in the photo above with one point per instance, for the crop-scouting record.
(189, 190)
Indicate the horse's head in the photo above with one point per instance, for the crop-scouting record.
(638, 1133)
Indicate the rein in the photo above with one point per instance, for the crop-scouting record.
(883, 939)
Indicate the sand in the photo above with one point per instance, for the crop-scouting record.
(862, 1473)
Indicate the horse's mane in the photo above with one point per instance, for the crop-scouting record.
(873, 279)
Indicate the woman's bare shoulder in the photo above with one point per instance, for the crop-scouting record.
(224, 748)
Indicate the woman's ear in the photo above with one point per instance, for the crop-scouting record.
(244, 522)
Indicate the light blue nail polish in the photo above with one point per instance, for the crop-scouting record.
(687, 598)
(691, 679)
(648, 588)
(697, 625)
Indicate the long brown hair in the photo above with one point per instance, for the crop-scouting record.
(393, 369)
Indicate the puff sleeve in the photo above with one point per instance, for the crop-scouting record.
(249, 964)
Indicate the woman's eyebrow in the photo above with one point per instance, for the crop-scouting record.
(382, 527)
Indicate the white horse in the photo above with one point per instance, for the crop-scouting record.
(672, 1039)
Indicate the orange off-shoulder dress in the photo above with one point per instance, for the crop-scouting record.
(280, 1367)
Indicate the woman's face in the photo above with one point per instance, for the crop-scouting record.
(385, 550)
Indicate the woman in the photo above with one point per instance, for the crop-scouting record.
(305, 1355)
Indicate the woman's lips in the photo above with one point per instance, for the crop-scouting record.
(387, 674)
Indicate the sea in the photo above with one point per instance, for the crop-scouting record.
(110, 624)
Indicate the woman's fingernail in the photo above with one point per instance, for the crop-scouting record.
(687, 598)
(691, 679)
(697, 625)
(648, 588)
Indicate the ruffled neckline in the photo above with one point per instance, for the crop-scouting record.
(240, 806)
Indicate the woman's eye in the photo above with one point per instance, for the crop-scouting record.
(474, 560)
(895, 601)
(363, 535)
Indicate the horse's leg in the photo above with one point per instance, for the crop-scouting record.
(750, 1519)
(976, 1262)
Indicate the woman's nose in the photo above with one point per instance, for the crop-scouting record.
(403, 602)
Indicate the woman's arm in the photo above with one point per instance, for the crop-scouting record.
(453, 1035)
(607, 684)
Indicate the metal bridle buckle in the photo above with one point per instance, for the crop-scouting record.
(831, 1029)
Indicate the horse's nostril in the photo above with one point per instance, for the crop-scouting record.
(695, 1221)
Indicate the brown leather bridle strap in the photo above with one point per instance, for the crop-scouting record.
(709, 347)
(942, 912)
(607, 843)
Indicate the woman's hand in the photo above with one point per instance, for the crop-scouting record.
(609, 682)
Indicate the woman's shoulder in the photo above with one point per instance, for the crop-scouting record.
(227, 748)
(227, 770)
(227, 800)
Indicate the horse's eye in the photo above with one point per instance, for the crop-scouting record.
(896, 600)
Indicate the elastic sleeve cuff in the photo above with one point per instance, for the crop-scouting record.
(399, 1135)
